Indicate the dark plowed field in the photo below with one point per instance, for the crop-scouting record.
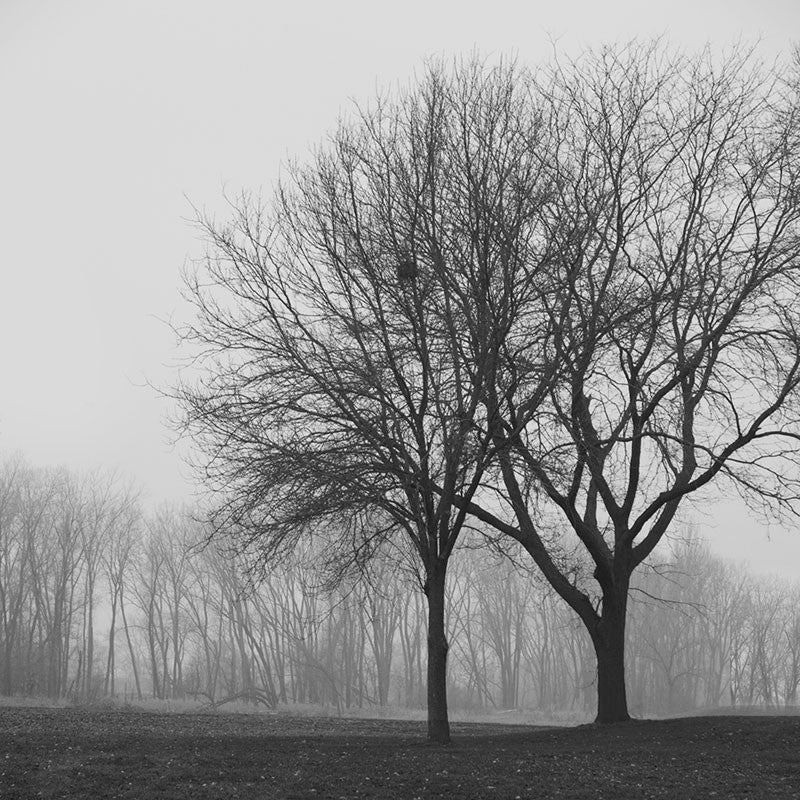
(83, 753)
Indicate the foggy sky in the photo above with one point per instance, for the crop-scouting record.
(117, 116)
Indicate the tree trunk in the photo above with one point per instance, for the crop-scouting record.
(438, 723)
(89, 670)
(609, 644)
(108, 684)
(130, 646)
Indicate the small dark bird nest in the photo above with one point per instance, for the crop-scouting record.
(407, 269)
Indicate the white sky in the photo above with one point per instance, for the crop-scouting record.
(113, 112)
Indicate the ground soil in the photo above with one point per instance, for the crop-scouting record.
(92, 753)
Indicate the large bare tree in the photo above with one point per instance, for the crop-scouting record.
(674, 254)
(349, 330)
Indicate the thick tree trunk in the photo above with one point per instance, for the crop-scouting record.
(438, 723)
(609, 645)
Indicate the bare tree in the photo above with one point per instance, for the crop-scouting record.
(15, 596)
(674, 249)
(105, 503)
(505, 605)
(345, 356)
(116, 560)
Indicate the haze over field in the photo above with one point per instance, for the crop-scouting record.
(119, 116)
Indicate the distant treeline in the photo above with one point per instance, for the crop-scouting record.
(98, 599)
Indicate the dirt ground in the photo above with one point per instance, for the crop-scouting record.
(88, 753)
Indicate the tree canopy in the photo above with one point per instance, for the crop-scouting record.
(355, 324)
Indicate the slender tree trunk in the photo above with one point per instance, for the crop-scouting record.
(89, 669)
(108, 685)
(130, 647)
(438, 723)
(8, 676)
(609, 644)
(54, 683)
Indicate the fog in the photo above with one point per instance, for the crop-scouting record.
(122, 121)
(88, 578)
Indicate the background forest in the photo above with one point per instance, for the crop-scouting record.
(100, 599)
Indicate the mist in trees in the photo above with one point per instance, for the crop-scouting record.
(160, 618)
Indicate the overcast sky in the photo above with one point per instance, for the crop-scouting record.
(114, 112)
